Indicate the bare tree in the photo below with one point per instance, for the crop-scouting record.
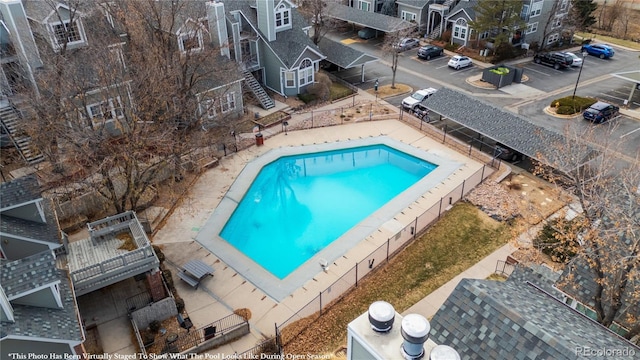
(315, 13)
(391, 47)
(606, 237)
(613, 13)
(125, 112)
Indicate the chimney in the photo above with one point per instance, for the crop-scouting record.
(381, 316)
(444, 352)
(218, 26)
(266, 18)
(415, 331)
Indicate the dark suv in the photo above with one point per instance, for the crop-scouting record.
(556, 59)
(600, 112)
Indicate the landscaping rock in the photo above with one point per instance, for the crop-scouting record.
(495, 200)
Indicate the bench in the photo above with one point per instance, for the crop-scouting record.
(188, 279)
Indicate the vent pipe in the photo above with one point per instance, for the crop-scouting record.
(444, 352)
(381, 316)
(415, 331)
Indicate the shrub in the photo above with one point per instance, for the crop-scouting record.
(168, 279)
(549, 243)
(569, 105)
(179, 304)
(452, 47)
(158, 252)
(505, 51)
(320, 89)
(446, 36)
(307, 97)
(500, 71)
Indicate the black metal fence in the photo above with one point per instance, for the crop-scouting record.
(196, 337)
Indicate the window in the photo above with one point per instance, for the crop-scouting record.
(107, 110)
(557, 22)
(228, 102)
(553, 38)
(67, 33)
(118, 54)
(409, 16)
(525, 12)
(531, 28)
(460, 29)
(209, 108)
(305, 73)
(563, 5)
(289, 79)
(283, 16)
(364, 5)
(190, 42)
(536, 8)
(484, 35)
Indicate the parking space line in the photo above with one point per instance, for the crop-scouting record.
(613, 97)
(537, 71)
(443, 66)
(629, 133)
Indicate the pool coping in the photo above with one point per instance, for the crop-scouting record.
(276, 288)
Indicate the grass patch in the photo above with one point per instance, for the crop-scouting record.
(608, 39)
(569, 105)
(496, 277)
(460, 239)
(271, 119)
(338, 91)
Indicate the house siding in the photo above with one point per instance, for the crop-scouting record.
(42, 298)
(8, 346)
(272, 65)
(14, 248)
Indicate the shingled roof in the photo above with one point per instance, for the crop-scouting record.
(344, 56)
(32, 272)
(19, 191)
(370, 19)
(484, 319)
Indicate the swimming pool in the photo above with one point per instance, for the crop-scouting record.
(299, 204)
(381, 218)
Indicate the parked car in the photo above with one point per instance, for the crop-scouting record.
(600, 112)
(504, 152)
(556, 59)
(600, 50)
(577, 60)
(367, 33)
(417, 97)
(459, 61)
(407, 43)
(429, 51)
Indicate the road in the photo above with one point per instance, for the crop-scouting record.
(543, 83)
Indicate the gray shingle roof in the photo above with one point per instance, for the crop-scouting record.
(20, 276)
(540, 275)
(485, 319)
(289, 44)
(496, 123)
(47, 232)
(367, 18)
(415, 3)
(47, 323)
(342, 55)
(467, 6)
(19, 191)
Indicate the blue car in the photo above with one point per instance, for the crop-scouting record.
(599, 50)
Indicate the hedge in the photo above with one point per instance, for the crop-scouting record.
(569, 105)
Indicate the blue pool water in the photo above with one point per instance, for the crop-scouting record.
(297, 205)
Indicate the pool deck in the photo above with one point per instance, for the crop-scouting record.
(228, 290)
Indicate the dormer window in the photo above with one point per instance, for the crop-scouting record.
(107, 110)
(190, 42)
(283, 16)
(67, 32)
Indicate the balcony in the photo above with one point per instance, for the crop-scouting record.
(117, 249)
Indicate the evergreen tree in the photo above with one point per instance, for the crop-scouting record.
(501, 18)
(583, 13)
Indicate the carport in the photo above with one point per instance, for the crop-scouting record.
(380, 22)
(343, 56)
(634, 78)
(497, 124)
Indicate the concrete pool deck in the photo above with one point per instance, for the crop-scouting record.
(229, 290)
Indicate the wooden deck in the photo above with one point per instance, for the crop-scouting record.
(84, 253)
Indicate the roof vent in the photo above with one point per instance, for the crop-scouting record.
(415, 331)
(444, 352)
(381, 316)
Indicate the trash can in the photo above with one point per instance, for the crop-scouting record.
(259, 139)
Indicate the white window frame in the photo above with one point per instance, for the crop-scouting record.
(306, 72)
(113, 108)
(460, 29)
(408, 16)
(289, 79)
(208, 108)
(362, 4)
(553, 38)
(228, 102)
(532, 28)
(80, 32)
(484, 35)
(282, 14)
(563, 5)
(197, 34)
(118, 53)
(536, 9)
(557, 22)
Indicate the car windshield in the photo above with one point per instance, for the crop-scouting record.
(417, 96)
(592, 111)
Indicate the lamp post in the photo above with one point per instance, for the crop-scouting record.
(235, 140)
(584, 54)
(284, 125)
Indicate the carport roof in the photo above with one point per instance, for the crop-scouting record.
(370, 19)
(633, 76)
(496, 123)
(342, 55)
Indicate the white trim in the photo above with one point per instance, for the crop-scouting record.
(57, 45)
(285, 14)
(300, 57)
(361, 2)
(116, 110)
(531, 28)
(536, 9)
(76, 13)
(51, 245)
(303, 73)
(293, 79)
(21, 204)
(404, 14)
(190, 35)
(71, 343)
(553, 38)
(37, 289)
(6, 305)
(228, 99)
(116, 49)
(41, 211)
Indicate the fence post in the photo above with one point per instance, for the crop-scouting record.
(440, 210)
(370, 111)
(320, 297)
(415, 226)
(312, 119)
(462, 193)
(444, 138)
(470, 148)
(388, 245)
(354, 100)
(356, 274)
(482, 175)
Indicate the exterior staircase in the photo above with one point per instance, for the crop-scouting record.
(265, 100)
(436, 32)
(10, 118)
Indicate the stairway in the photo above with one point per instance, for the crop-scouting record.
(265, 100)
(435, 33)
(10, 117)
